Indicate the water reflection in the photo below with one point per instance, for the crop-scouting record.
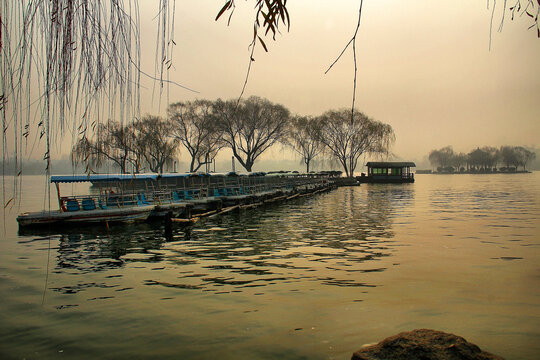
(242, 284)
(334, 239)
(487, 202)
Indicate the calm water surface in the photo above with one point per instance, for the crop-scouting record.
(311, 278)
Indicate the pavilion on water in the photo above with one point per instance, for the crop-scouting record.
(388, 172)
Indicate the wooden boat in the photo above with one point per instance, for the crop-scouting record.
(105, 207)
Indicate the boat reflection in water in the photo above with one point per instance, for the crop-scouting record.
(331, 239)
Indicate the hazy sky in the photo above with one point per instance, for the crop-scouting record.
(424, 67)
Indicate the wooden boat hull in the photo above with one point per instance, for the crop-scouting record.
(126, 214)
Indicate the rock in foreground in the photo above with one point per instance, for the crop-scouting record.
(423, 344)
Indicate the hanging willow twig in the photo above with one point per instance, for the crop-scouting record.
(353, 42)
(68, 65)
(78, 58)
(530, 8)
(268, 16)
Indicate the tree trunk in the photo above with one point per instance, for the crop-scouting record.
(345, 168)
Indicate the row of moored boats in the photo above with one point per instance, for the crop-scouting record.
(183, 197)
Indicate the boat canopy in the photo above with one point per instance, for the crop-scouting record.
(101, 178)
(390, 164)
(179, 175)
(96, 178)
(222, 174)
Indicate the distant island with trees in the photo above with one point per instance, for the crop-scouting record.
(485, 160)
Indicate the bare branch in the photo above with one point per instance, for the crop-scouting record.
(353, 42)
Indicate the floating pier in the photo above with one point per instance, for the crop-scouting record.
(175, 198)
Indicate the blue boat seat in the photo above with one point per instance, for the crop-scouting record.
(113, 201)
(142, 199)
(131, 200)
(187, 196)
(223, 192)
(175, 196)
(101, 204)
(72, 205)
(88, 204)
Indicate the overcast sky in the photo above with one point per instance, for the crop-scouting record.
(424, 67)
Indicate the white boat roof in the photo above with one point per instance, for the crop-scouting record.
(94, 178)
(112, 177)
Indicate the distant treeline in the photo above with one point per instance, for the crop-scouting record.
(485, 159)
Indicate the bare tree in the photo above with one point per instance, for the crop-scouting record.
(195, 127)
(155, 142)
(509, 156)
(442, 157)
(347, 138)
(524, 156)
(459, 161)
(113, 142)
(303, 136)
(250, 127)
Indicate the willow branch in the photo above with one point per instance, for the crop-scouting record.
(353, 42)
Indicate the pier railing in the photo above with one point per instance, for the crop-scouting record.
(192, 187)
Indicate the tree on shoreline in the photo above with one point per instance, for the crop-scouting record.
(251, 126)
(113, 142)
(526, 156)
(155, 142)
(516, 156)
(195, 126)
(346, 138)
(130, 146)
(304, 138)
(442, 157)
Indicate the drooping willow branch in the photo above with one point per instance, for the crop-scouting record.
(165, 45)
(268, 15)
(353, 42)
(68, 65)
(530, 8)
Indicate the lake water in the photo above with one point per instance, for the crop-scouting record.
(313, 278)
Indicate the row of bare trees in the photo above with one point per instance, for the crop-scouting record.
(485, 158)
(248, 128)
(143, 142)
